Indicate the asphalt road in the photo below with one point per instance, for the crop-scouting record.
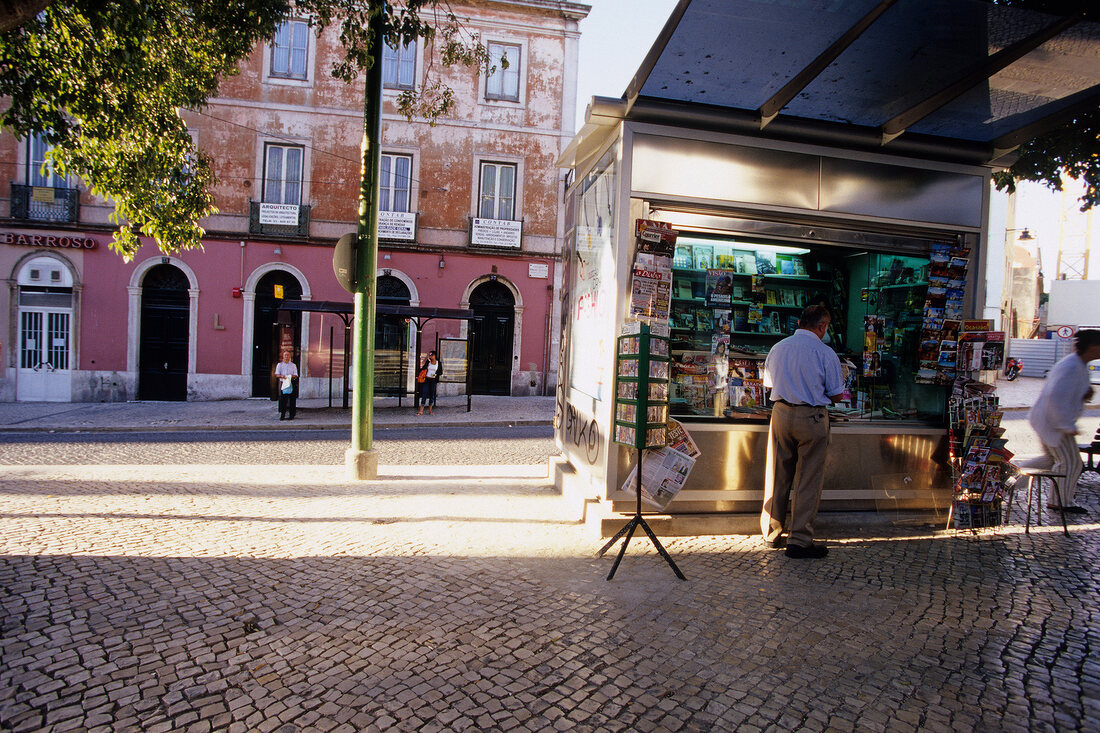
(412, 446)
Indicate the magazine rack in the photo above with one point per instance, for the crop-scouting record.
(641, 422)
(981, 465)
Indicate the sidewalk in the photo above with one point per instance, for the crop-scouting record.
(263, 414)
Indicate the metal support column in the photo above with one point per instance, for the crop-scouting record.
(360, 459)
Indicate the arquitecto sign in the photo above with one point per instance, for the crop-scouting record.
(47, 240)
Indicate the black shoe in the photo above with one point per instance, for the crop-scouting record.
(777, 544)
(813, 551)
(1069, 509)
(282, 417)
(290, 418)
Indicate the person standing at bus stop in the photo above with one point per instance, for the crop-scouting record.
(286, 375)
(428, 382)
(1054, 415)
(805, 377)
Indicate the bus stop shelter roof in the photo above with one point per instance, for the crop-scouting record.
(348, 309)
(968, 76)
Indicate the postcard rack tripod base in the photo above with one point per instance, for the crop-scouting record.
(629, 528)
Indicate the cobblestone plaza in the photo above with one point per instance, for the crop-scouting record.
(266, 597)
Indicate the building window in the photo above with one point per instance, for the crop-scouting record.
(399, 66)
(283, 174)
(503, 83)
(498, 191)
(290, 50)
(394, 182)
(36, 159)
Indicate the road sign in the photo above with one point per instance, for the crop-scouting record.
(343, 262)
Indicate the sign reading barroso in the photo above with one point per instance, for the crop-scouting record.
(496, 233)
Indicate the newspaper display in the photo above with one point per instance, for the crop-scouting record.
(651, 283)
(680, 440)
(651, 286)
(665, 470)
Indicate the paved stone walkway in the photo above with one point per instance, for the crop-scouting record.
(283, 598)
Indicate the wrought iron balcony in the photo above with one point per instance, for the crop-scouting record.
(278, 220)
(45, 203)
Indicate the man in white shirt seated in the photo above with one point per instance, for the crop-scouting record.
(1054, 415)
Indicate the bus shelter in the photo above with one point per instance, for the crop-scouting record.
(393, 368)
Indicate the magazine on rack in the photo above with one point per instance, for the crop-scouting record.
(719, 287)
(651, 286)
(655, 237)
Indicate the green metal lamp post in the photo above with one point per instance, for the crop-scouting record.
(360, 458)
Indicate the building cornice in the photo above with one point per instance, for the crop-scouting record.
(358, 114)
(569, 10)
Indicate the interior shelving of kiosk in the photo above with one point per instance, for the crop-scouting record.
(734, 297)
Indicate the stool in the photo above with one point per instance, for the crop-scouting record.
(1037, 475)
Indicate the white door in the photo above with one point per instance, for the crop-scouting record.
(44, 370)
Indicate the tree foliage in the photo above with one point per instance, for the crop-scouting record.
(104, 84)
(1071, 150)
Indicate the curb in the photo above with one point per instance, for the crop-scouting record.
(266, 427)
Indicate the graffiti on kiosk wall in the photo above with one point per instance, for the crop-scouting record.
(579, 431)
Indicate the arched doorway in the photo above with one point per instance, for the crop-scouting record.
(491, 339)
(45, 331)
(391, 336)
(269, 334)
(165, 328)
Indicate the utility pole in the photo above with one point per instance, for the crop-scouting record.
(360, 459)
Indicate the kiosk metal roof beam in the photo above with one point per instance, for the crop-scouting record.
(955, 80)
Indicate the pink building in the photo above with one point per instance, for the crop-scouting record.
(473, 219)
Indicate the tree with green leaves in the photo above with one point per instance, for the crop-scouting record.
(104, 84)
(1073, 149)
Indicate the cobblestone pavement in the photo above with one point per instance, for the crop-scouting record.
(405, 446)
(200, 597)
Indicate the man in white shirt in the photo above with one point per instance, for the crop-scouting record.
(805, 377)
(1054, 415)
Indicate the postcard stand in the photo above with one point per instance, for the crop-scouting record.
(981, 469)
(641, 421)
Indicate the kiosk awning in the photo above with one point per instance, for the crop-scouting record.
(972, 78)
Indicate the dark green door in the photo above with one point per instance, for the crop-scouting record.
(266, 334)
(491, 336)
(165, 320)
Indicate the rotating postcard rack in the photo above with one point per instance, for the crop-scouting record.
(641, 420)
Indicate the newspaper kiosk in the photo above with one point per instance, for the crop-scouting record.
(771, 215)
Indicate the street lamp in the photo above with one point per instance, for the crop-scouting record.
(1022, 283)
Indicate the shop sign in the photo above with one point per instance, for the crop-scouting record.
(496, 233)
(279, 214)
(47, 240)
(42, 194)
(399, 225)
(538, 270)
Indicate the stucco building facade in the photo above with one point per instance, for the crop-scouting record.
(472, 218)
